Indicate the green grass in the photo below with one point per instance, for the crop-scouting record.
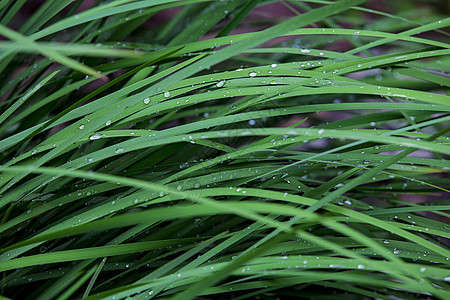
(224, 150)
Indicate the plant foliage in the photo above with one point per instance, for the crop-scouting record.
(224, 149)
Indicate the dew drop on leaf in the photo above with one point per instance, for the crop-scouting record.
(119, 150)
(96, 137)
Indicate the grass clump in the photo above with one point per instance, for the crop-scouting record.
(224, 149)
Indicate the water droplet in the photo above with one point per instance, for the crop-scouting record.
(88, 160)
(397, 251)
(321, 131)
(167, 94)
(252, 74)
(273, 65)
(108, 123)
(305, 51)
(146, 100)
(251, 122)
(361, 266)
(220, 83)
(96, 136)
(119, 150)
(81, 126)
